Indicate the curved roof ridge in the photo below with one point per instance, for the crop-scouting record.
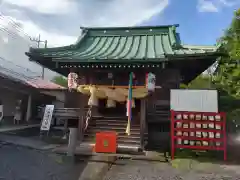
(128, 27)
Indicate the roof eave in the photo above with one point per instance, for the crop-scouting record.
(52, 89)
(176, 56)
(34, 57)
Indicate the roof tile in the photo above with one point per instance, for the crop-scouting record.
(115, 44)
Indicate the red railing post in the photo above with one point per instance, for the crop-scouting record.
(172, 135)
(225, 135)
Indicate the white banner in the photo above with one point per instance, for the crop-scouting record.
(47, 118)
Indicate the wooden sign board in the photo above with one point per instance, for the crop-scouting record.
(47, 118)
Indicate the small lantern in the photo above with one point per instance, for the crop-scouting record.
(110, 75)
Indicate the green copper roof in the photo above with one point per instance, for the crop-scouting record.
(124, 43)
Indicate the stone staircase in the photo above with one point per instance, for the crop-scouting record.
(117, 124)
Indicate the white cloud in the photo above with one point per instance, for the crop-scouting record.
(207, 6)
(45, 6)
(5, 39)
(215, 5)
(59, 21)
(13, 45)
(229, 3)
(27, 29)
(122, 12)
(54, 38)
(80, 13)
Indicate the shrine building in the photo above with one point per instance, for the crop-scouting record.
(102, 60)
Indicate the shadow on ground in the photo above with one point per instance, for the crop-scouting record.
(54, 136)
(24, 163)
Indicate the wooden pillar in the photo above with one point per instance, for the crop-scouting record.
(143, 121)
(29, 108)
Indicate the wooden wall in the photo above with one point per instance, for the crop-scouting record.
(158, 110)
(166, 79)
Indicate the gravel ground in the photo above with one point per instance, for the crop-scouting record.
(18, 163)
(145, 170)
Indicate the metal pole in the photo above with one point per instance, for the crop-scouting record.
(38, 42)
(38, 45)
(43, 72)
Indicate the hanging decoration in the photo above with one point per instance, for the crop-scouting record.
(93, 100)
(129, 104)
(72, 81)
(112, 94)
(111, 103)
(150, 81)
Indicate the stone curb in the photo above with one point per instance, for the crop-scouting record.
(97, 170)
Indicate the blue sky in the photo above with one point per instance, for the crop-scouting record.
(196, 27)
(201, 21)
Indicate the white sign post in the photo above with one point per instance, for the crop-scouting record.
(47, 118)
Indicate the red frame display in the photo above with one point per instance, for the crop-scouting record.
(194, 130)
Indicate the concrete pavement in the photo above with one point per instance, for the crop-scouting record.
(145, 170)
(20, 163)
(94, 169)
(27, 142)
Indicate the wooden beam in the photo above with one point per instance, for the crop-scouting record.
(142, 121)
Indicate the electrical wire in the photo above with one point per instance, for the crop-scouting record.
(18, 66)
(11, 34)
(15, 31)
(16, 75)
(14, 25)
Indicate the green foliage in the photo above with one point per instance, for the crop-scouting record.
(227, 103)
(228, 75)
(60, 80)
(201, 82)
(227, 78)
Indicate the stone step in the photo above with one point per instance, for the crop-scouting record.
(110, 123)
(122, 148)
(110, 117)
(116, 128)
(111, 120)
(124, 140)
(119, 132)
(119, 136)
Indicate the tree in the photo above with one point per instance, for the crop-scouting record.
(60, 80)
(228, 73)
(200, 82)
